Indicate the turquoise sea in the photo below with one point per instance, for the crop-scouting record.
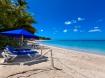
(92, 46)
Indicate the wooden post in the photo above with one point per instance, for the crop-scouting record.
(41, 50)
(52, 60)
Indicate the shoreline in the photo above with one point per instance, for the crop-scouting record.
(77, 50)
(87, 48)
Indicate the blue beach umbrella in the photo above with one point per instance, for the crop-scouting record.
(19, 33)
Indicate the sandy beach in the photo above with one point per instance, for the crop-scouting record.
(70, 64)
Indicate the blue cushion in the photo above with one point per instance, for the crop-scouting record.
(24, 53)
(10, 48)
(20, 51)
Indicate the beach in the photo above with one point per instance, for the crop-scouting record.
(68, 64)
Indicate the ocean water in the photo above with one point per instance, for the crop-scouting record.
(97, 47)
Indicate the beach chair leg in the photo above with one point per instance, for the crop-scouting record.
(13, 57)
(2, 61)
(5, 57)
(21, 64)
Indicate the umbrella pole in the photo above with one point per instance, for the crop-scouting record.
(22, 40)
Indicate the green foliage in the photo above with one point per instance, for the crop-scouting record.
(44, 38)
(8, 41)
(14, 15)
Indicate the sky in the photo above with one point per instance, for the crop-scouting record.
(69, 19)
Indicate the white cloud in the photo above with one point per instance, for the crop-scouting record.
(75, 30)
(68, 22)
(41, 30)
(73, 21)
(95, 30)
(80, 19)
(96, 27)
(65, 30)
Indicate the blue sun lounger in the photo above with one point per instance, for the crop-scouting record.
(11, 52)
(20, 51)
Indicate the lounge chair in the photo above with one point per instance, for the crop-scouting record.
(11, 53)
(8, 56)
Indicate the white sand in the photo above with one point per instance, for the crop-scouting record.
(73, 64)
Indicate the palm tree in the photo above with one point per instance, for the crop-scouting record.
(7, 18)
(14, 15)
(17, 14)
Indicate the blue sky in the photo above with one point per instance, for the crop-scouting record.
(69, 19)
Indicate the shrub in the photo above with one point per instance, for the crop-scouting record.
(8, 41)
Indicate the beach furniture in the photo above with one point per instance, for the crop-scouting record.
(35, 46)
(8, 56)
(10, 53)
